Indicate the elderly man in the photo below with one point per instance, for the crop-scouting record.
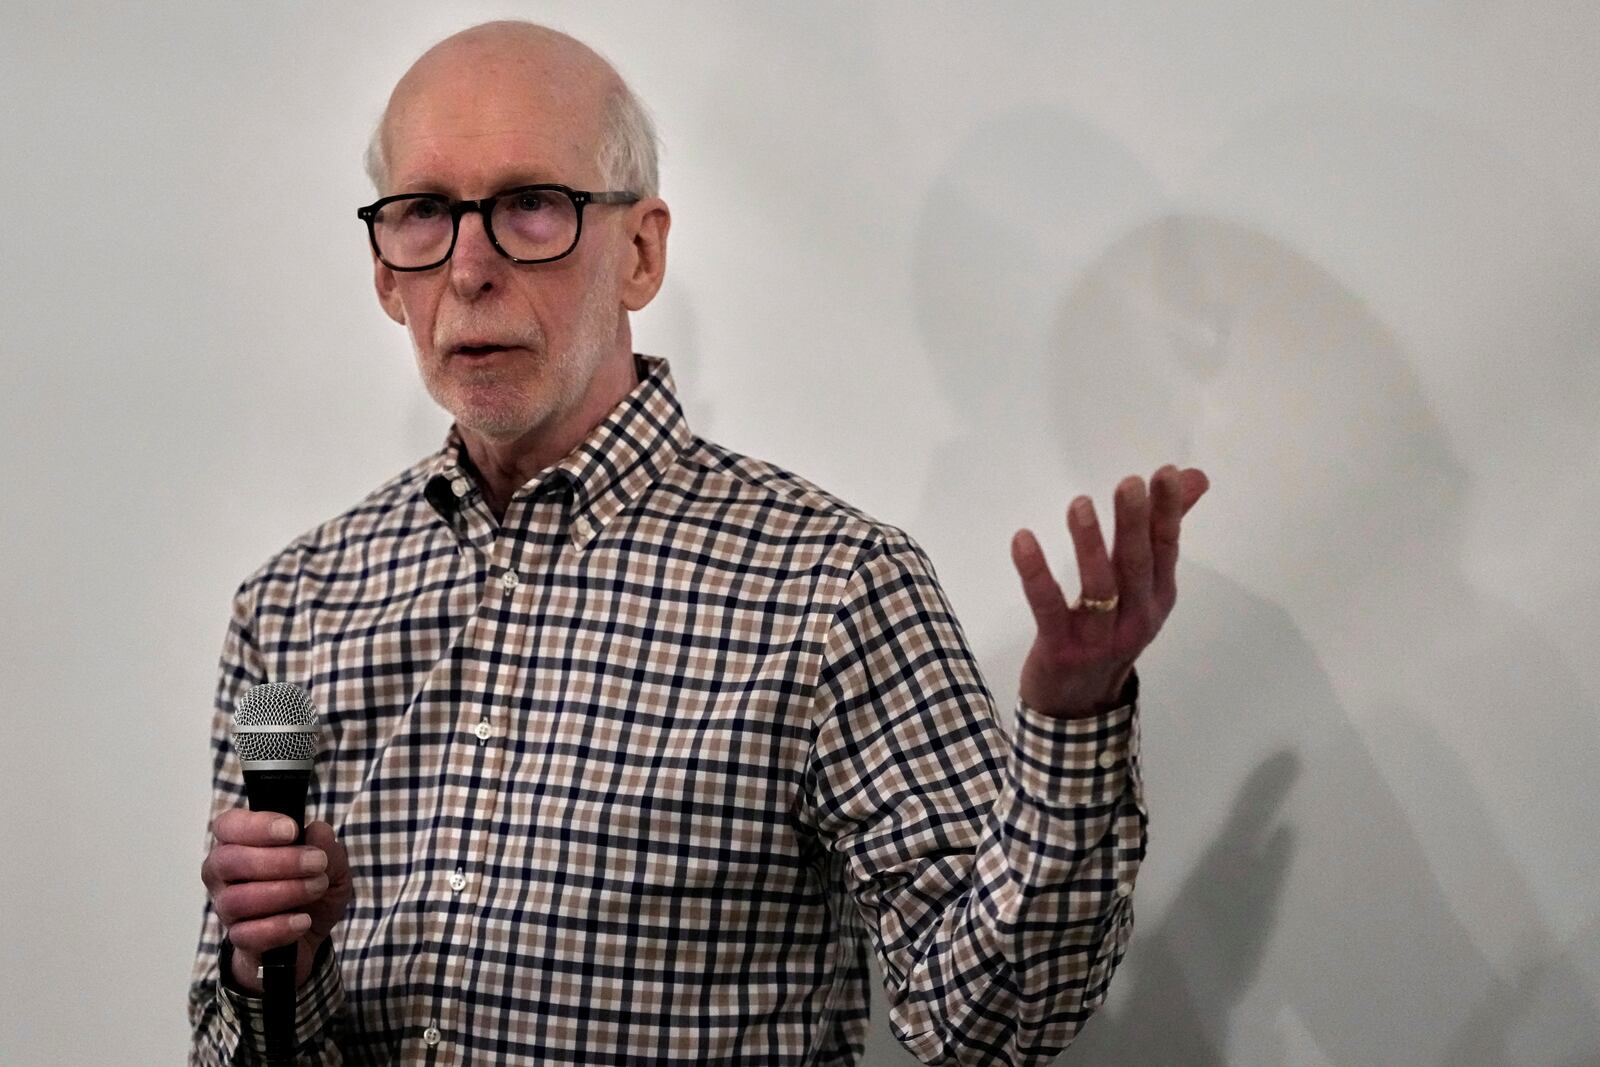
(632, 747)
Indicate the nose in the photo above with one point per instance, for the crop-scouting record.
(474, 266)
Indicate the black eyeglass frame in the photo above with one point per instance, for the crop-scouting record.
(484, 207)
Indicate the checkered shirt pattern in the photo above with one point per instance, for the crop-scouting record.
(640, 773)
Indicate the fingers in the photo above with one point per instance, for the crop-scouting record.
(1141, 571)
(319, 836)
(255, 900)
(1193, 484)
(1132, 554)
(1096, 577)
(262, 888)
(337, 898)
(1045, 600)
(1166, 520)
(258, 935)
(228, 864)
(236, 826)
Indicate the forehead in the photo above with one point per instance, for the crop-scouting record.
(469, 129)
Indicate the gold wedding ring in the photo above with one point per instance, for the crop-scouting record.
(1099, 607)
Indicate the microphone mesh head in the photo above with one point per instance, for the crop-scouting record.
(274, 704)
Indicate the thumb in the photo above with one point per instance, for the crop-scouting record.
(330, 909)
(320, 835)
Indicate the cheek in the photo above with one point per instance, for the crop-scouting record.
(587, 311)
(419, 309)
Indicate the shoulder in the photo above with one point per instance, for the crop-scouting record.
(718, 477)
(393, 510)
(776, 507)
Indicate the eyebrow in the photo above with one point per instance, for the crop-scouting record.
(517, 180)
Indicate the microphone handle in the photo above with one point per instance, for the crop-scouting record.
(282, 792)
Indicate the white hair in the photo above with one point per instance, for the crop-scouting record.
(629, 148)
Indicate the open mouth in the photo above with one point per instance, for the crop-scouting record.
(479, 350)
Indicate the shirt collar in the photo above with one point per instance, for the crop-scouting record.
(626, 453)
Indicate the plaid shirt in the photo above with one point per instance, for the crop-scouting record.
(642, 771)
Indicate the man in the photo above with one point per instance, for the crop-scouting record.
(631, 746)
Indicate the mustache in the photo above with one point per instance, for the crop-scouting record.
(450, 335)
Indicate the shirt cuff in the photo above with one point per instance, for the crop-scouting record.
(316, 1002)
(1082, 762)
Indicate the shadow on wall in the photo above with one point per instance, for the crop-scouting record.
(1220, 923)
(1344, 921)
(1543, 1012)
(1545, 997)
(1340, 504)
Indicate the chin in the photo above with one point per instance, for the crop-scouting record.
(497, 417)
(497, 424)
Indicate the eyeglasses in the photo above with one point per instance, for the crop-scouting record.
(528, 224)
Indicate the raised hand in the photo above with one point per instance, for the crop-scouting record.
(1084, 651)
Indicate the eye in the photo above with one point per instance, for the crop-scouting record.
(531, 201)
(423, 209)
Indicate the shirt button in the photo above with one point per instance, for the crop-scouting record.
(1107, 761)
(430, 1036)
(484, 730)
(459, 487)
(458, 880)
(508, 581)
(1124, 889)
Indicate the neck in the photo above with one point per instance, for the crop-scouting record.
(505, 465)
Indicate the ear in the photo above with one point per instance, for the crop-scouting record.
(383, 280)
(647, 266)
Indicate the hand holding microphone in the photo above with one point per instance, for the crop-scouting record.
(270, 890)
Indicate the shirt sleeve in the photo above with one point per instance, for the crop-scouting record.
(994, 877)
(225, 1023)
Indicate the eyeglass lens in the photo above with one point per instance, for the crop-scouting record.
(528, 224)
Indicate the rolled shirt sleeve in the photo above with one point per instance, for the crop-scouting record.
(994, 879)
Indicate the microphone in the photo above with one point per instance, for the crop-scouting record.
(275, 734)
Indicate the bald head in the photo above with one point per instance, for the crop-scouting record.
(528, 355)
(503, 75)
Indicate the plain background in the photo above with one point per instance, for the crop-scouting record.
(956, 263)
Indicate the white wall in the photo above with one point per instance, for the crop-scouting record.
(956, 263)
